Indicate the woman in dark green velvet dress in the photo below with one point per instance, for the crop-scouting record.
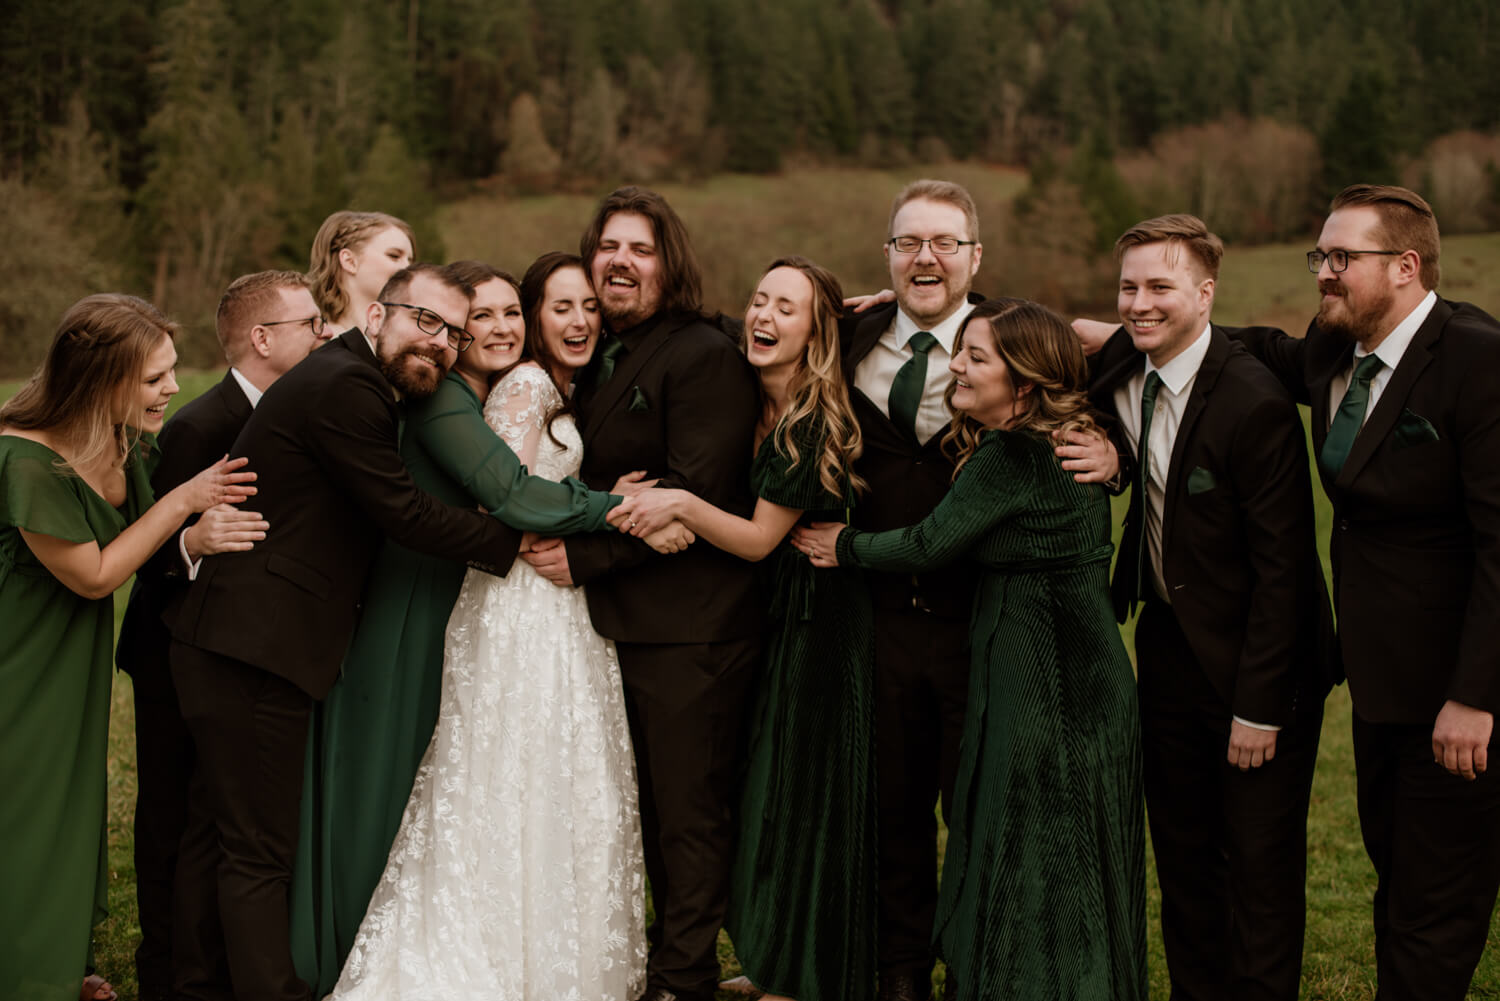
(76, 520)
(801, 904)
(1043, 892)
(367, 738)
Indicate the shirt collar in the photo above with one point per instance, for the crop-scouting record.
(1397, 341)
(251, 393)
(945, 333)
(1178, 372)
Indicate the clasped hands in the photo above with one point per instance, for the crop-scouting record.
(549, 557)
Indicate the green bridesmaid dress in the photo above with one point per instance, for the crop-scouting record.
(55, 654)
(802, 890)
(1043, 892)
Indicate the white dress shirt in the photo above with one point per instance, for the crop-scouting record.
(877, 370)
(1390, 352)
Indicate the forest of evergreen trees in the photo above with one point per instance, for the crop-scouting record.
(165, 145)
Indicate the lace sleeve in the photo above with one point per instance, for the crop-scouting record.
(517, 409)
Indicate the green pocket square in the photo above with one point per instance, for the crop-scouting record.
(1200, 481)
(1413, 429)
(638, 402)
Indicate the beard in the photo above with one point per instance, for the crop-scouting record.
(414, 380)
(1353, 320)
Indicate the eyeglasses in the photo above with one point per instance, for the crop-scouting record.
(1338, 260)
(316, 323)
(432, 324)
(945, 245)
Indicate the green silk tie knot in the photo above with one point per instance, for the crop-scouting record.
(608, 355)
(911, 379)
(1350, 417)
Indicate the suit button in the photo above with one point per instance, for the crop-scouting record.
(1343, 524)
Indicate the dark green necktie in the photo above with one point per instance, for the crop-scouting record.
(1139, 499)
(911, 379)
(612, 350)
(1351, 416)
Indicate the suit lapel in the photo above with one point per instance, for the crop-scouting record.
(1388, 408)
(604, 401)
(1203, 384)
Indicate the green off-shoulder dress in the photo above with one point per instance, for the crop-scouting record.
(367, 737)
(802, 890)
(1043, 892)
(55, 654)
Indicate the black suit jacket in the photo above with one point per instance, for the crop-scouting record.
(1416, 532)
(323, 441)
(1239, 552)
(195, 438)
(681, 404)
(906, 481)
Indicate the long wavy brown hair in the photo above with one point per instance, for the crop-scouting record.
(817, 391)
(533, 290)
(97, 356)
(1047, 373)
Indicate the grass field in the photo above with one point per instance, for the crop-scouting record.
(1267, 284)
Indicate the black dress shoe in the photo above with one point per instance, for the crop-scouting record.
(901, 987)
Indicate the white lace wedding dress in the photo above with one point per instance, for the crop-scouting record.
(517, 871)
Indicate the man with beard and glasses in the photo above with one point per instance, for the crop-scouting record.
(671, 394)
(261, 634)
(1406, 433)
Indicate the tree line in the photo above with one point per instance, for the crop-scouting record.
(165, 145)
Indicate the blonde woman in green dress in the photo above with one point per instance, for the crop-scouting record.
(76, 520)
(802, 889)
(1043, 892)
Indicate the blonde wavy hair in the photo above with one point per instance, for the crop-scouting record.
(96, 358)
(817, 390)
(1047, 373)
(343, 231)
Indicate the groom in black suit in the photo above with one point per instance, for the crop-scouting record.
(1405, 405)
(672, 394)
(267, 322)
(261, 634)
(922, 629)
(1234, 642)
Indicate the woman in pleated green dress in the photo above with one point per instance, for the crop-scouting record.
(368, 736)
(1043, 892)
(76, 520)
(801, 901)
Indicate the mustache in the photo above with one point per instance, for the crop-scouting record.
(438, 358)
(1331, 287)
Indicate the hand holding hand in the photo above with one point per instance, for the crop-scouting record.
(632, 483)
(819, 542)
(549, 558)
(225, 482)
(860, 303)
(225, 529)
(1250, 747)
(648, 512)
(673, 539)
(1461, 739)
(1092, 334)
(1090, 457)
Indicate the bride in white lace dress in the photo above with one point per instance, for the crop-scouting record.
(517, 872)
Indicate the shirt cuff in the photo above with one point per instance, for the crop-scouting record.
(1272, 727)
(192, 565)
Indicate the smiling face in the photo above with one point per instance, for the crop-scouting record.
(568, 322)
(1165, 298)
(415, 361)
(626, 270)
(498, 329)
(370, 266)
(290, 341)
(983, 388)
(143, 404)
(779, 320)
(928, 286)
(1358, 301)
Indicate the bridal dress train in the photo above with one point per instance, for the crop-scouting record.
(517, 871)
